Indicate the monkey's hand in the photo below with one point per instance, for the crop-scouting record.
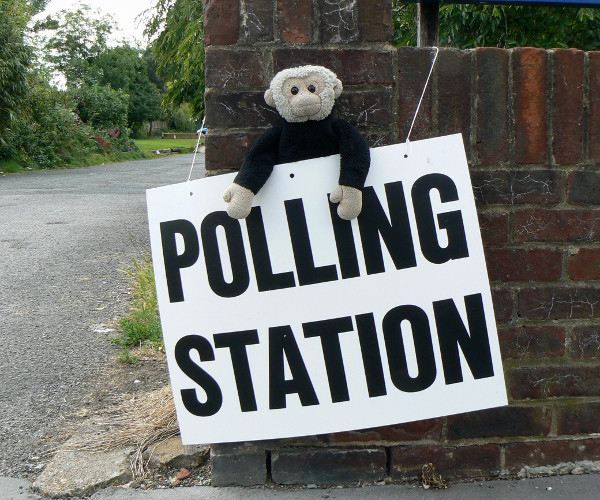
(350, 201)
(239, 201)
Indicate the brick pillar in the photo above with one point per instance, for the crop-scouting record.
(530, 120)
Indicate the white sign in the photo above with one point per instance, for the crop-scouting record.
(295, 322)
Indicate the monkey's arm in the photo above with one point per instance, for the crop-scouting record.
(355, 157)
(255, 171)
(259, 162)
(355, 160)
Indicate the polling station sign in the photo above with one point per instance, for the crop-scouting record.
(295, 322)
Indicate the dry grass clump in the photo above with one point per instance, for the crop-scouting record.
(137, 422)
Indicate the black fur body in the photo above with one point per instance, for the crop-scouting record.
(292, 142)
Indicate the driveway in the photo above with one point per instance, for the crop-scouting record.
(64, 236)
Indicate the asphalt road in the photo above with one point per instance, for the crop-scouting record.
(64, 236)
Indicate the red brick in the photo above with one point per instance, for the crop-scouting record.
(413, 67)
(557, 225)
(594, 100)
(257, 23)
(530, 105)
(327, 465)
(494, 229)
(542, 382)
(366, 108)
(221, 22)
(537, 454)
(492, 105)
(520, 264)
(449, 461)
(585, 342)
(567, 101)
(532, 342)
(239, 109)
(453, 83)
(296, 20)
(430, 430)
(578, 418)
(585, 264)
(504, 305)
(352, 66)
(227, 151)
(516, 187)
(507, 421)
(375, 20)
(234, 69)
(339, 21)
(559, 303)
(583, 187)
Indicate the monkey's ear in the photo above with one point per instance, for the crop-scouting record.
(337, 88)
(269, 98)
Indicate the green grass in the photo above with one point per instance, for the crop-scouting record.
(147, 147)
(141, 326)
(150, 144)
(10, 167)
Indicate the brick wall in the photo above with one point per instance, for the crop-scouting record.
(530, 119)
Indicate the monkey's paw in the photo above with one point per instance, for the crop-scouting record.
(239, 201)
(350, 201)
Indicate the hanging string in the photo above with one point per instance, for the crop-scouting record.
(408, 146)
(200, 132)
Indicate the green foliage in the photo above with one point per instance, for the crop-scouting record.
(101, 106)
(179, 51)
(127, 357)
(123, 68)
(141, 326)
(182, 120)
(479, 25)
(15, 57)
(77, 41)
(48, 134)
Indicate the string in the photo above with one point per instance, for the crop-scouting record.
(408, 145)
(200, 132)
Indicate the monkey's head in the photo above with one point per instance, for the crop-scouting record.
(304, 93)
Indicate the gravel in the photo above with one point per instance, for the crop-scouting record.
(64, 236)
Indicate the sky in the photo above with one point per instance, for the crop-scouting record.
(124, 12)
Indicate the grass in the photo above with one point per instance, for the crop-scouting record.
(10, 167)
(141, 325)
(147, 147)
(150, 144)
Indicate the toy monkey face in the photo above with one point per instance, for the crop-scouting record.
(305, 93)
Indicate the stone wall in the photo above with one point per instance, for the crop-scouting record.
(530, 119)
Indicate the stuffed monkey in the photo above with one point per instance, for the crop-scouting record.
(304, 97)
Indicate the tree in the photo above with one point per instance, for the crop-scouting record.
(15, 58)
(101, 106)
(77, 41)
(478, 25)
(179, 51)
(123, 68)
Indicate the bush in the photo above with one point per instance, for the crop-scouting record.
(182, 119)
(101, 107)
(49, 135)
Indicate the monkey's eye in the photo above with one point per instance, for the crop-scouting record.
(294, 90)
(311, 89)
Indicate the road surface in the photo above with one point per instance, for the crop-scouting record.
(64, 236)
